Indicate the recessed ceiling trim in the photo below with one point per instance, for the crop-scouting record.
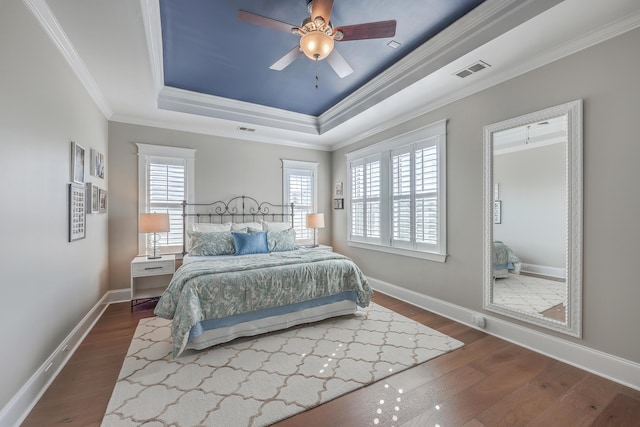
(488, 20)
(52, 27)
(185, 101)
(570, 47)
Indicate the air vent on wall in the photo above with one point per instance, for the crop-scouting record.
(471, 69)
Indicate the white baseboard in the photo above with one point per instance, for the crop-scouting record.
(605, 365)
(544, 270)
(14, 413)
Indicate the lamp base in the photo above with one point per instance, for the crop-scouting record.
(154, 256)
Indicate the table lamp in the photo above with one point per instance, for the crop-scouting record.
(154, 223)
(315, 221)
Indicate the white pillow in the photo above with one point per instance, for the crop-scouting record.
(205, 227)
(275, 226)
(244, 225)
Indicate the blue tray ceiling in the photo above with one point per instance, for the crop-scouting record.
(207, 49)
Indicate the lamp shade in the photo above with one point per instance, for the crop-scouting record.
(315, 220)
(153, 223)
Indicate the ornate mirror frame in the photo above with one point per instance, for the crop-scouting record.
(573, 324)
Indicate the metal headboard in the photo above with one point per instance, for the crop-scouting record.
(237, 209)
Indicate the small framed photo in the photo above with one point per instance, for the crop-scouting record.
(77, 163)
(338, 203)
(497, 212)
(102, 203)
(77, 212)
(93, 196)
(339, 189)
(97, 163)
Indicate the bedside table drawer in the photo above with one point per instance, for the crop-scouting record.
(152, 268)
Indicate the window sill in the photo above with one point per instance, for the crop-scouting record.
(430, 256)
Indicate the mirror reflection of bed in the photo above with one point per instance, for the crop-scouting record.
(530, 232)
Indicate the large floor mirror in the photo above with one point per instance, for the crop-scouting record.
(533, 218)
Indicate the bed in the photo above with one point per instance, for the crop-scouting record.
(505, 260)
(243, 275)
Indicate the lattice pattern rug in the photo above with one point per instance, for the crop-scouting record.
(528, 293)
(260, 380)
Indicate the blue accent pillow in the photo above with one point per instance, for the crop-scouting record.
(251, 243)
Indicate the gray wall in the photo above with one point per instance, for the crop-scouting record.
(48, 284)
(605, 76)
(224, 168)
(533, 190)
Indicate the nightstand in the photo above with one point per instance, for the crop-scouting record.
(150, 277)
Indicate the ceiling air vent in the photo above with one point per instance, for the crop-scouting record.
(472, 69)
(245, 129)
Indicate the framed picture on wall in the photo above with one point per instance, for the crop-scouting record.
(77, 212)
(92, 202)
(497, 212)
(97, 163)
(77, 163)
(338, 203)
(102, 203)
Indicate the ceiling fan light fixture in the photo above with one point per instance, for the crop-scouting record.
(316, 45)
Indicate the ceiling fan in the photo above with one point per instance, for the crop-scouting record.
(317, 35)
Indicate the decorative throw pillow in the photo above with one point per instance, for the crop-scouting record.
(206, 227)
(250, 243)
(240, 226)
(280, 241)
(209, 244)
(275, 226)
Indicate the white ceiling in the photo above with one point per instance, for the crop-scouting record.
(106, 44)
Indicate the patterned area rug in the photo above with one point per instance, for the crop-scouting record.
(261, 380)
(529, 294)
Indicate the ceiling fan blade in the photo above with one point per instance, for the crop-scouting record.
(370, 30)
(287, 59)
(263, 21)
(321, 8)
(339, 64)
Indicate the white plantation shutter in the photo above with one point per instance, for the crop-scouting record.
(401, 190)
(365, 203)
(300, 182)
(165, 176)
(166, 192)
(397, 200)
(426, 192)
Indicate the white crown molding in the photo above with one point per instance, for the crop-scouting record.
(150, 10)
(206, 129)
(563, 50)
(245, 112)
(606, 365)
(52, 27)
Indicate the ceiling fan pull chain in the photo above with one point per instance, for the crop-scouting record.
(316, 72)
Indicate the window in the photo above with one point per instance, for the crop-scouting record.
(299, 187)
(165, 180)
(397, 194)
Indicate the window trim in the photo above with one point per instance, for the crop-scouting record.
(292, 165)
(383, 149)
(145, 151)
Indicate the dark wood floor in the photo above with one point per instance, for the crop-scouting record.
(488, 382)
